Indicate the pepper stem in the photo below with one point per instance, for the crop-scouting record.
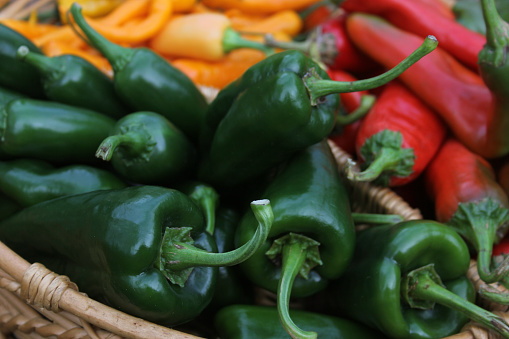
(47, 66)
(482, 223)
(117, 55)
(179, 256)
(422, 288)
(319, 88)
(367, 101)
(497, 35)
(375, 218)
(299, 255)
(136, 142)
(207, 198)
(233, 40)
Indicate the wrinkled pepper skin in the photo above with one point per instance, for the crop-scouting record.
(30, 181)
(147, 82)
(370, 289)
(15, 74)
(253, 322)
(108, 243)
(146, 148)
(51, 131)
(72, 80)
(307, 197)
(261, 119)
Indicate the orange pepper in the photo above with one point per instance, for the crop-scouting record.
(183, 6)
(125, 12)
(259, 6)
(90, 8)
(158, 14)
(55, 48)
(286, 21)
(240, 20)
(199, 36)
(30, 30)
(218, 74)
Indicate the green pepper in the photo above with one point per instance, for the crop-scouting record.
(72, 80)
(7, 206)
(253, 321)
(408, 280)
(146, 148)
(15, 74)
(30, 181)
(51, 131)
(140, 249)
(7, 95)
(312, 227)
(147, 82)
(279, 106)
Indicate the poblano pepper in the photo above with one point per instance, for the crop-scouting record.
(7, 95)
(72, 80)
(147, 82)
(7, 206)
(140, 249)
(146, 148)
(15, 74)
(279, 106)
(30, 181)
(254, 322)
(408, 280)
(51, 131)
(311, 240)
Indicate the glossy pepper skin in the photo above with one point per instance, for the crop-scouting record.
(254, 321)
(455, 92)
(147, 82)
(7, 95)
(397, 138)
(7, 206)
(51, 131)
(421, 18)
(30, 181)
(72, 80)
(468, 198)
(146, 148)
(308, 199)
(15, 74)
(118, 236)
(372, 289)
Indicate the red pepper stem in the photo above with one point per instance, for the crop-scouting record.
(136, 142)
(180, 255)
(497, 33)
(117, 55)
(367, 101)
(233, 40)
(319, 88)
(294, 255)
(424, 287)
(47, 66)
(482, 223)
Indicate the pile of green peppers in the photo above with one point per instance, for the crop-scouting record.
(180, 211)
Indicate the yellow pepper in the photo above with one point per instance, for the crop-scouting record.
(90, 8)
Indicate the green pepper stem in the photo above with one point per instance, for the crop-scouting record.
(497, 33)
(207, 198)
(481, 223)
(47, 66)
(319, 88)
(233, 40)
(422, 286)
(367, 101)
(294, 255)
(186, 255)
(138, 144)
(117, 55)
(387, 159)
(375, 218)
(491, 293)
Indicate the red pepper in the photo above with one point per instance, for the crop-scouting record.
(329, 43)
(424, 17)
(456, 93)
(397, 138)
(468, 198)
(503, 176)
(351, 101)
